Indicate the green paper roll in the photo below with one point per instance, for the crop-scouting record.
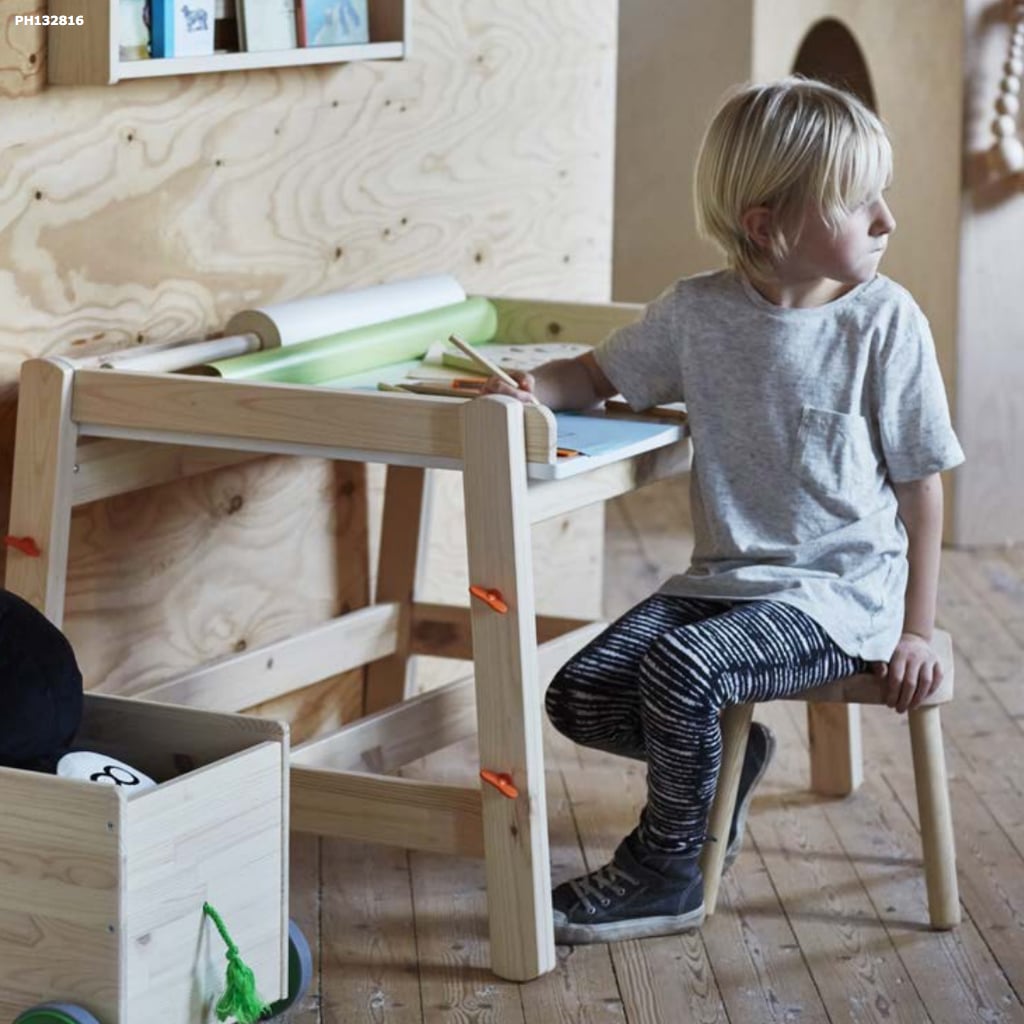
(363, 348)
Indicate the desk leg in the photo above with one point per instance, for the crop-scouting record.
(837, 764)
(508, 690)
(402, 528)
(41, 496)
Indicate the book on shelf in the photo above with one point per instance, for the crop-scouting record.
(267, 25)
(332, 22)
(133, 32)
(181, 28)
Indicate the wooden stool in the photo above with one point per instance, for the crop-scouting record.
(929, 780)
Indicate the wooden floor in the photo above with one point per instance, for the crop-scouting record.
(823, 916)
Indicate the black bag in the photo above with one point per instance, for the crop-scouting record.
(40, 688)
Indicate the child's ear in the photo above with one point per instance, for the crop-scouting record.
(757, 226)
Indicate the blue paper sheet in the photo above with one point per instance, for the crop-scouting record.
(596, 435)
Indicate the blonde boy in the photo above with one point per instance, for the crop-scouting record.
(819, 426)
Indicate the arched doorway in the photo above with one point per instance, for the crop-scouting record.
(829, 53)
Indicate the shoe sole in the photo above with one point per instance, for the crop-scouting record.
(618, 931)
(741, 814)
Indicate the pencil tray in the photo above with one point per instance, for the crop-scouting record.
(102, 888)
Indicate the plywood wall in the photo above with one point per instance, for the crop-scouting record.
(153, 210)
(675, 61)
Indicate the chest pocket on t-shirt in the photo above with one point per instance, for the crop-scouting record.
(835, 461)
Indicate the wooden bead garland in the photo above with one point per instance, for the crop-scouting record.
(1009, 150)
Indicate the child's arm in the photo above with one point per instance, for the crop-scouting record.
(561, 384)
(914, 671)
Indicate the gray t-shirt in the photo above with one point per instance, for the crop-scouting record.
(801, 420)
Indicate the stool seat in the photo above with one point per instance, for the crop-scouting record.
(930, 780)
(867, 688)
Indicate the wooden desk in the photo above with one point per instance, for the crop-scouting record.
(341, 784)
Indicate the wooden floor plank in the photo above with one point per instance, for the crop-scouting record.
(999, 579)
(584, 987)
(456, 983)
(369, 958)
(822, 917)
(855, 967)
(985, 744)
(955, 973)
(991, 881)
(986, 765)
(979, 635)
(756, 958)
(450, 905)
(662, 979)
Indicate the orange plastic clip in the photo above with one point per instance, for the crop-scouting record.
(501, 781)
(26, 545)
(490, 597)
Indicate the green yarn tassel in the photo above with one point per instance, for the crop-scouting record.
(240, 999)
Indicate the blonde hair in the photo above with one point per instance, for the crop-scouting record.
(784, 145)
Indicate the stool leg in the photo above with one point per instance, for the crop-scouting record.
(936, 820)
(837, 764)
(735, 727)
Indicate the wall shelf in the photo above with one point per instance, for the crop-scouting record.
(88, 54)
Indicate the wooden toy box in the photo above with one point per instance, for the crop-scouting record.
(102, 888)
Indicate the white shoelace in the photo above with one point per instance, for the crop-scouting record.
(594, 885)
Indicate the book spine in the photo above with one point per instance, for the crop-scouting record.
(161, 28)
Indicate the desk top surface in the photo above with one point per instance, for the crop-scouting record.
(595, 440)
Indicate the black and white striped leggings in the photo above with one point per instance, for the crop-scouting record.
(651, 686)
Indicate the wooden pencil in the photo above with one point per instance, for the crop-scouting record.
(488, 366)
(657, 412)
(483, 362)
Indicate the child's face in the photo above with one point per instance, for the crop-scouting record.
(849, 254)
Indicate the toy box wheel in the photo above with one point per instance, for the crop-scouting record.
(56, 1013)
(300, 971)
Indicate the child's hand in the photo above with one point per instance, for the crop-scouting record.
(525, 391)
(912, 673)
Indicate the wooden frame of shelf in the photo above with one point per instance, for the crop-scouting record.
(88, 54)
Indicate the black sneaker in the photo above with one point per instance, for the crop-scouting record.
(756, 758)
(639, 894)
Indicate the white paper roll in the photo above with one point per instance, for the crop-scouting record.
(321, 315)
